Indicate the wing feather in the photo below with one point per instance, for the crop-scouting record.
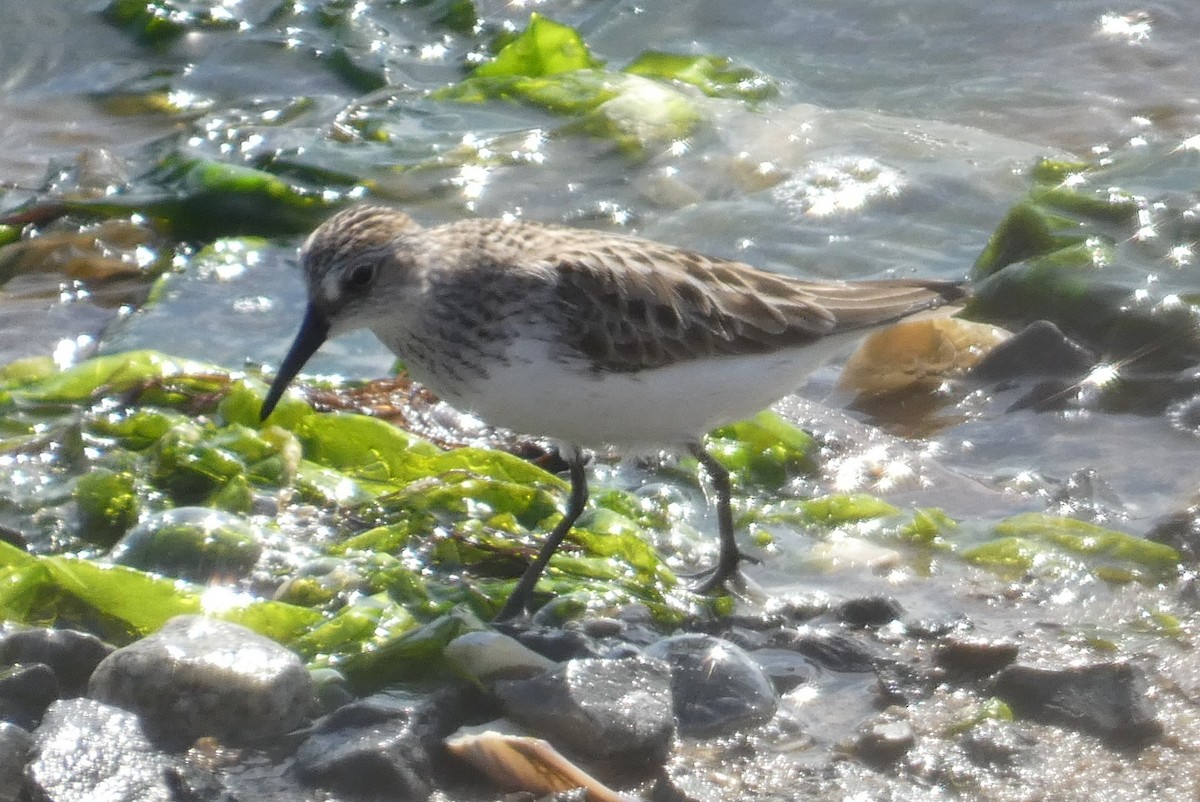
(632, 304)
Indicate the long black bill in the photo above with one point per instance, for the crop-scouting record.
(313, 331)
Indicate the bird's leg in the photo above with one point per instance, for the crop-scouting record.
(518, 600)
(730, 557)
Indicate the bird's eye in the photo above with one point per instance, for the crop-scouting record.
(358, 277)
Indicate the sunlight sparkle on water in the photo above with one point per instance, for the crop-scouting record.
(218, 599)
(433, 52)
(1133, 28)
(874, 468)
(1180, 255)
(68, 350)
(472, 178)
(842, 185)
(1102, 376)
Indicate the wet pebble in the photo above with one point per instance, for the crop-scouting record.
(385, 741)
(85, 750)
(748, 639)
(559, 644)
(869, 611)
(717, 687)
(611, 710)
(195, 543)
(884, 740)
(15, 747)
(1107, 699)
(199, 676)
(831, 650)
(487, 656)
(26, 690)
(70, 654)
(1040, 349)
(787, 669)
(1180, 531)
(975, 656)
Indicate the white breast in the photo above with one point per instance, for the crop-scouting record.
(536, 394)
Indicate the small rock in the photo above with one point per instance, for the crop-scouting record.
(1180, 531)
(1040, 349)
(1108, 699)
(85, 750)
(381, 746)
(602, 627)
(832, 651)
(200, 676)
(72, 655)
(787, 669)
(557, 644)
(716, 685)
(609, 710)
(487, 656)
(869, 611)
(884, 740)
(15, 747)
(975, 656)
(748, 639)
(799, 607)
(26, 690)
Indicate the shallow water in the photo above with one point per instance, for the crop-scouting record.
(902, 133)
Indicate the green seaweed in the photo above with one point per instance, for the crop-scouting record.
(545, 48)
(199, 200)
(716, 76)
(1037, 541)
(1050, 259)
(549, 66)
(190, 435)
(762, 451)
(108, 505)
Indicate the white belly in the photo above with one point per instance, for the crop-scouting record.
(648, 410)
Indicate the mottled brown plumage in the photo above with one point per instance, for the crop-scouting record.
(583, 336)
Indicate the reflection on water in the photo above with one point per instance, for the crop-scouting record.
(901, 136)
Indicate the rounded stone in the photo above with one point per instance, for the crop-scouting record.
(71, 654)
(869, 611)
(16, 746)
(199, 676)
(193, 543)
(715, 684)
(616, 711)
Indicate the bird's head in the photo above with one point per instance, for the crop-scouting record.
(354, 271)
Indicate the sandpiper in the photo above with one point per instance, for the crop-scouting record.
(585, 337)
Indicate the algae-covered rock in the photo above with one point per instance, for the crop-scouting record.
(194, 543)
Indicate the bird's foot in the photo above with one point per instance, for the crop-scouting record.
(725, 575)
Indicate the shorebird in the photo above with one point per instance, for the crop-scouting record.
(584, 337)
